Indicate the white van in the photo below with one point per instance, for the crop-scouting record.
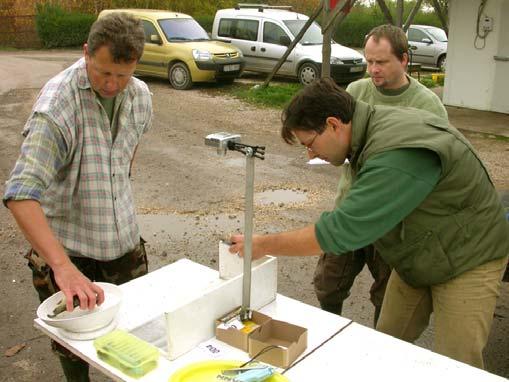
(263, 34)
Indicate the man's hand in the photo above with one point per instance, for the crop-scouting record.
(238, 246)
(31, 220)
(74, 283)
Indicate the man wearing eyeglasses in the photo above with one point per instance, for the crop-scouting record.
(386, 52)
(425, 200)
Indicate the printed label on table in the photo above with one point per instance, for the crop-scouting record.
(212, 349)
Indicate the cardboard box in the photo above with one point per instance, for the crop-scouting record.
(292, 338)
(239, 338)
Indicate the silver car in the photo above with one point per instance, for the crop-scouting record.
(428, 45)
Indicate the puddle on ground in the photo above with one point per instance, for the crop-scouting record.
(278, 197)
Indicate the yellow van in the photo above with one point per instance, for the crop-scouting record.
(178, 48)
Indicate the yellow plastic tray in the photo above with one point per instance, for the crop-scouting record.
(207, 371)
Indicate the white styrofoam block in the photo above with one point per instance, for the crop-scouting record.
(156, 291)
(231, 265)
(194, 321)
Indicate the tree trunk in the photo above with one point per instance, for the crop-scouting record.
(327, 36)
(399, 14)
(385, 11)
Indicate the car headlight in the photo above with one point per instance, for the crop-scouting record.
(202, 55)
(335, 61)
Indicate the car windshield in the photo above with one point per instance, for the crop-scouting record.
(313, 35)
(183, 30)
(438, 34)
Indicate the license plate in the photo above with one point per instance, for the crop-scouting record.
(231, 68)
(357, 69)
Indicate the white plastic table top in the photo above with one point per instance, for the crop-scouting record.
(355, 354)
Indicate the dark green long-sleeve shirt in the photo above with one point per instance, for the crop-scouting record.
(387, 188)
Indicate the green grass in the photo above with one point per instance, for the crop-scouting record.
(496, 137)
(428, 82)
(7, 48)
(275, 96)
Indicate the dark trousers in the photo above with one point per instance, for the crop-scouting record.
(335, 275)
(130, 266)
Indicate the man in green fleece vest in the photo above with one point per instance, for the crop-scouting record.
(386, 52)
(422, 196)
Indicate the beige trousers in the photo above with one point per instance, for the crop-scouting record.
(463, 311)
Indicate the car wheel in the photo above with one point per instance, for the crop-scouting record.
(308, 72)
(441, 63)
(180, 76)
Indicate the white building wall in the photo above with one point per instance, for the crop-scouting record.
(474, 77)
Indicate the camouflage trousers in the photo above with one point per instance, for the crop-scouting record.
(128, 267)
(335, 275)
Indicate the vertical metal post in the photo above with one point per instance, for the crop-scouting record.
(248, 235)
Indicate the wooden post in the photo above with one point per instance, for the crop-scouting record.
(292, 45)
(327, 36)
(334, 19)
(399, 14)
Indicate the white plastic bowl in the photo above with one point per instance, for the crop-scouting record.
(81, 321)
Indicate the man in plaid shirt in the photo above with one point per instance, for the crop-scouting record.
(69, 190)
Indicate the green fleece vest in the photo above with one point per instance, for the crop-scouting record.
(461, 224)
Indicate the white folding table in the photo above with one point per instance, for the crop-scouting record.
(356, 353)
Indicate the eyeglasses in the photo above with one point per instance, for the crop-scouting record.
(309, 145)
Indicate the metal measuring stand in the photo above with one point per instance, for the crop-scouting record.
(226, 141)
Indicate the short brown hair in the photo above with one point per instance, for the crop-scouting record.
(310, 108)
(395, 35)
(122, 33)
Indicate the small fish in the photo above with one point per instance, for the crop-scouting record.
(61, 306)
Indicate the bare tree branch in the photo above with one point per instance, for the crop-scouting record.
(292, 44)
(385, 11)
(412, 14)
(333, 21)
(441, 15)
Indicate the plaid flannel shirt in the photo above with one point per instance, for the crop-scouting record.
(70, 165)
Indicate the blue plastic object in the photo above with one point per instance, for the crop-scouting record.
(255, 375)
